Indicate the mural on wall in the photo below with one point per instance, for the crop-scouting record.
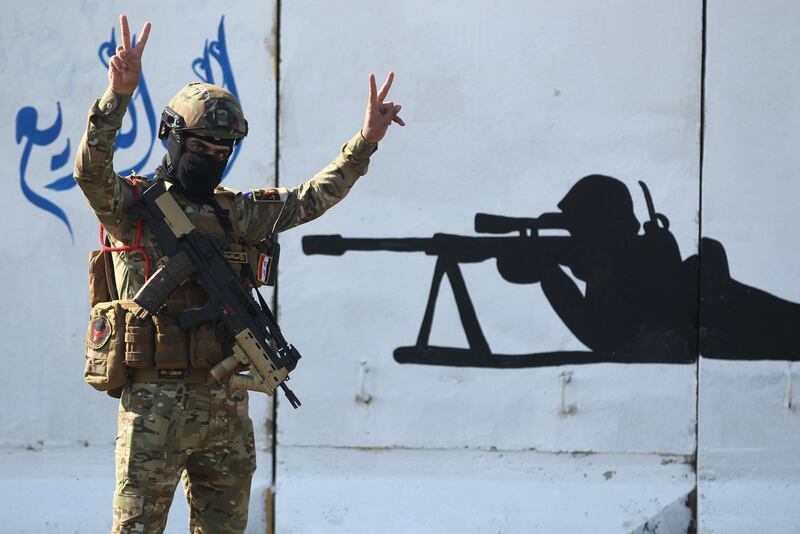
(640, 303)
(143, 127)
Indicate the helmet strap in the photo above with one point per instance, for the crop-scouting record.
(175, 150)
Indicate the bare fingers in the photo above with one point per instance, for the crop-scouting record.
(125, 31)
(118, 65)
(373, 89)
(121, 57)
(386, 86)
(142, 41)
(392, 112)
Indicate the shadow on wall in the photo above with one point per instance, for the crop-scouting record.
(641, 300)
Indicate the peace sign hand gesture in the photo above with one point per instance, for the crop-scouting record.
(380, 114)
(125, 67)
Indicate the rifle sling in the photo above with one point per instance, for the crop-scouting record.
(227, 226)
(280, 341)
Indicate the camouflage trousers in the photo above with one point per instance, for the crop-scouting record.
(200, 434)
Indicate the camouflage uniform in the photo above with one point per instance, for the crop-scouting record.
(196, 431)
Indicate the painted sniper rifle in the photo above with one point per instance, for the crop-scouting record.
(193, 255)
(660, 329)
(521, 259)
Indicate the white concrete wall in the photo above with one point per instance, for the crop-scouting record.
(508, 104)
(749, 426)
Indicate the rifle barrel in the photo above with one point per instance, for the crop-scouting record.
(336, 245)
(465, 249)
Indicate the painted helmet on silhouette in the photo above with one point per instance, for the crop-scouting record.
(205, 110)
(598, 203)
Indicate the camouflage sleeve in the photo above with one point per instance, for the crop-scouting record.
(281, 208)
(94, 171)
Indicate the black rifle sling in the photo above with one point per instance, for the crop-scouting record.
(224, 219)
(272, 326)
(227, 226)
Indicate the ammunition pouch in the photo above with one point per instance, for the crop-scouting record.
(104, 368)
(160, 342)
(172, 344)
(139, 342)
(119, 342)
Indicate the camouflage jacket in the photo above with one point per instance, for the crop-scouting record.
(255, 213)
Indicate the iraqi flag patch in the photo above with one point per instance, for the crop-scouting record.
(264, 264)
(98, 333)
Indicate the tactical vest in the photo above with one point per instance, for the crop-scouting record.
(118, 339)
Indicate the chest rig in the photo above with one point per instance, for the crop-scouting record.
(159, 342)
(119, 342)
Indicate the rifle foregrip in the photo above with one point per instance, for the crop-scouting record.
(224, 368)
(163, 282)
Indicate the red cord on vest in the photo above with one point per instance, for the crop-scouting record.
(137, 245)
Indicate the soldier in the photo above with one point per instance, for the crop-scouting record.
(642, 301)
(639, 297)
(181, 424)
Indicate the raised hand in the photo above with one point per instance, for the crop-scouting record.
(380, 114)
(125, 67)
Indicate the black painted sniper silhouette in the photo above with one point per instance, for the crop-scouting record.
(641, 301)
(740, 322)
(640, 298)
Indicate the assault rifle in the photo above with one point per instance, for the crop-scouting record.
(190, 254)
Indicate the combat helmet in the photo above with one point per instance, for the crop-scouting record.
(600, 203)
(205, 110)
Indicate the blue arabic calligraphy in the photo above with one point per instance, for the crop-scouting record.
(28, 133)
(28, 129)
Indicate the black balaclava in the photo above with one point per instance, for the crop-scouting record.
(196, 175)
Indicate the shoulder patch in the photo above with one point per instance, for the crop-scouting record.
(99, 332)
(267, 195)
